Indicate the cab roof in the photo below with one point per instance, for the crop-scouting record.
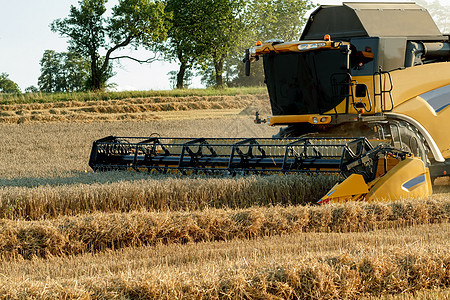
(374, 19)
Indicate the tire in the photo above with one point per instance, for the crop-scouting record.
(412, 141)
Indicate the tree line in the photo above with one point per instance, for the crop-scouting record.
(205, 37)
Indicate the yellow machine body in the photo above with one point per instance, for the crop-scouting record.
(353, 188)
(407, 102)
(407, 179)
(353, 75)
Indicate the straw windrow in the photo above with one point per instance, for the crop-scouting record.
(102, 231)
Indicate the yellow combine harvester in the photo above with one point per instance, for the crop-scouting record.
(365, 94)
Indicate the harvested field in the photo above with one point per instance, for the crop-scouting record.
(69, 233)
(33, 151)
(294, 266)
(102, 231)
(142, 109)
(415, 295)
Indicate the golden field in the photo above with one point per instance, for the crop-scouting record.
(126, 109)
(403, 260)
(73, 234)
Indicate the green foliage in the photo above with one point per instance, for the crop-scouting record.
(8, 86)
(50, 67)
(31, 89)
(280, 19)
(222, 33)
(208, 33)
(133, 23)
(84, 27)
(63, 72)
(136, 23)
(203, 32)
(268, 19)
(75, 70)
(238, 77)
(181, 44)
(256, 20)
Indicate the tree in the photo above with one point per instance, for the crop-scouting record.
(215, 33)
(203, 32)
(280, 19)
(96, 37)
(268, 20)
(76, 72)
(63, 72)
(222, 28)
(8, 86)
(50, 63)
(175, 76)
(31, 89)
(180, 45)
(439, 13)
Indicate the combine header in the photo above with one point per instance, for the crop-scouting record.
(370, 105)
(236, 156)
(353, 159)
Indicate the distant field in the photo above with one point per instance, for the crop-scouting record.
(67, 232)
(134, 109)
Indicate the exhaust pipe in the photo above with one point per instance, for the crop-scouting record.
(417, 52)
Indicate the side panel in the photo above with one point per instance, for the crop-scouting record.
(407, 85)
(415, 81)
(421, 93)
(408, 179)
(412, 87)
(436, 123)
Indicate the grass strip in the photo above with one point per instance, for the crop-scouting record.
(96, 96)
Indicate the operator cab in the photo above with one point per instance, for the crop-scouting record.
(376, 38)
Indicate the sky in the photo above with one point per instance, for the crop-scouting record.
(25, 35)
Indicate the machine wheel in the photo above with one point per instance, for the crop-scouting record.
(291, 131)
(412, 140)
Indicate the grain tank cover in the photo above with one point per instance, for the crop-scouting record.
(376, 19)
